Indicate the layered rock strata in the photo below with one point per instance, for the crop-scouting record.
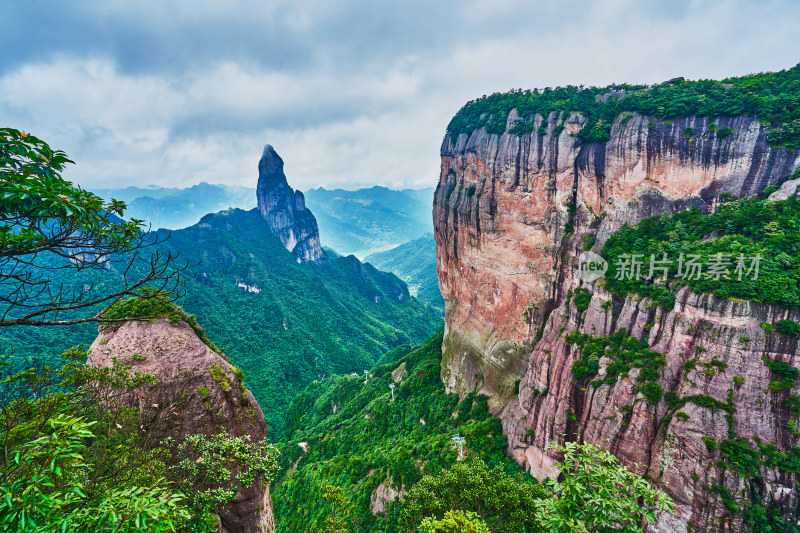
(510, 215)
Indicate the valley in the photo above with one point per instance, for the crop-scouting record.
(422, 360)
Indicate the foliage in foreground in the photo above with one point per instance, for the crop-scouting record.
(71, 463)
(501, 501)
(454, 522)
(595, 493)
(599, 494)
(51, 230)
(44, 485)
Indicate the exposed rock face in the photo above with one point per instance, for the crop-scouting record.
(196, 402)
(285, 209)
(385, 494)
(506, 262)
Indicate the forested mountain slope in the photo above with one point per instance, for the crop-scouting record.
(370, 220)
(415, 263)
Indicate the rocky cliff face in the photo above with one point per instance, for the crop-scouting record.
(191, 398)
(510, 214)
(285, 209)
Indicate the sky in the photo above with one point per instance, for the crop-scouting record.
(350, 93)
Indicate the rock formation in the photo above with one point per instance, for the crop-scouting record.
(510, 215)
(285, 209)
(198, 392)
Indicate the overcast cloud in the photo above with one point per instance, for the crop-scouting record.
(350, 93)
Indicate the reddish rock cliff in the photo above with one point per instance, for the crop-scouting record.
(191, 399)
(510, 214)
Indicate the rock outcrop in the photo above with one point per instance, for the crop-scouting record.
(285, 209)
(510, 216)
(198, 392)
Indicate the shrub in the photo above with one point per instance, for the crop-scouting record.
(787, 373)
(788, 327)
(454, 522)
(45, 483)
(599, 494)
(651, 391)
(504, 502)
(582, 298)
(724, 132)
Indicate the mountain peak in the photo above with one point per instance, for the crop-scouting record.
(271, 164)
(285, 209)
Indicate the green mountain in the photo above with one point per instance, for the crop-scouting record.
(370, 220)
(351, 222)
(415, 263)
(173, 208)
(344, 432)
(284, 323)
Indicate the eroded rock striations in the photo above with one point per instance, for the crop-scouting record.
(198, 392)
(285, 209)
(510, 215)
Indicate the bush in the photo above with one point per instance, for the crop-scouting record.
(44, 489)
(598, 494)
(788, 374)
(454, 522)
(582, 298)
(788, 327)
(724, 132)
(651, 391)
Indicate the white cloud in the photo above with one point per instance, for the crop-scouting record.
(349, 96)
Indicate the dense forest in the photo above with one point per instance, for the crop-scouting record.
(415, 263)
(305, 322)
(352, 444)
(773, 97)
(747, 249)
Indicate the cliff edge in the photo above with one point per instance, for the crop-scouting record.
(513, 211)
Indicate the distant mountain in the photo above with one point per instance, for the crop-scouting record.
(357, 222)
(283, 310)
(172, 208)
(370, 220)
(415, 263)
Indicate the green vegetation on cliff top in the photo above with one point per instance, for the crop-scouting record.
(772, 97)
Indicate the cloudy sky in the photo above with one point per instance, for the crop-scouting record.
(350, 93)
